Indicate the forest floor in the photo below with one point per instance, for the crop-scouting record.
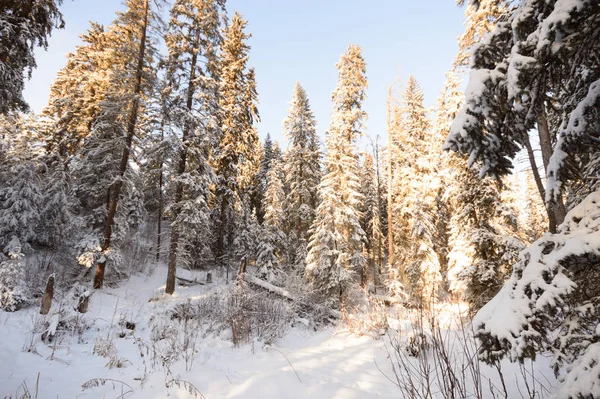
(108, 359)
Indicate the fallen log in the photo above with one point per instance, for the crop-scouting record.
(284, 293)
(187, 282)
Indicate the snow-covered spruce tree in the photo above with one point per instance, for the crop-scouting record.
(13, 287)
(335, 249)
(245, 243)
(483, 235)
(57, 223)
(370, 221)
(550, 304)
(302, 173)
(24, 25)
(77, 91)
(272, 242)
(235, 155)
(447, 106)
(414, 198)
(259, 186)
(130, 34)
(95, 174)
(541, 62)
(193, 39)
(481, 17)
(20, 191)
(157, 154)
(483, 238)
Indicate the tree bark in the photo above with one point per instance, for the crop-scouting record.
(557, 206)
(84, 300)
(552, 223)
(48, 295)
(160, 214)
(389, 193)
(170, 288)
(131, 123)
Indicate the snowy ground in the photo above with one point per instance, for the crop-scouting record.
(326, 364)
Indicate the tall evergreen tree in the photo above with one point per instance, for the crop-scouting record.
(131, 78)
(77, 91)
(336, 246)
(192, 41)
(234, 158)
(272, 241)
(302, 173)
(414, 198)
(371, 220)
(259, 187)
(24, 25)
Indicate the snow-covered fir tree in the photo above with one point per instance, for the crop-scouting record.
(335, 252)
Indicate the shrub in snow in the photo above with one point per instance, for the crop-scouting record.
(551, 303)
(13, 291)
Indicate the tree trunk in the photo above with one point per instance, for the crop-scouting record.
(557, 206)
(160, 214)
(170, 288)
(131, 123)
(48, 295)
(389, 193)
(552, 223)
(84, 300)
(161, 205)
(377, 269)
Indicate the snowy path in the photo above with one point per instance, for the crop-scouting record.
(330, 363)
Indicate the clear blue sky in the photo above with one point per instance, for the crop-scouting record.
(301, 40)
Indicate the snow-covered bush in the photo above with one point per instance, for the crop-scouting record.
(551, 303)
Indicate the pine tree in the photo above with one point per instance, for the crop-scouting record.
(24, 25)
(234, 159)
(192, 40)
(337, 238)
(302, 173)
